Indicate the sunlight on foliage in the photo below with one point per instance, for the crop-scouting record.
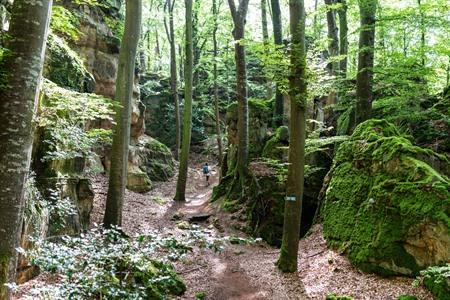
(105, 263)
(66, 116)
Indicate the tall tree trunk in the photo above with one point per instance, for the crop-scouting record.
(173, 75)
(316, 23)
(296, 170)
(422, 33)
(343, 39)
(364, 79)
(187, 117)
(124, 94)
(216, 86)
(265, 30)
(333, 39)
(265, 35)
(195, 48)
(278, 114)
(19, 93)
(239, 15)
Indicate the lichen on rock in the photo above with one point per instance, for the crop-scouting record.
(385, 206)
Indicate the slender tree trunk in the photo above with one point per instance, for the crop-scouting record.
(343, 39)
(19, 93)
(124, 94)
(265, 34)
(422, 33)
(278, 114)
(364, 79)
(296, 170)
(239, 15)
(315, 21)
(173, 75)
(157, 52)
(187, 118)
(195, 46)
(265, 30)
(216, 86)
(333, 39)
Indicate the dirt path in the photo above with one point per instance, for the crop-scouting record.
(241, 272)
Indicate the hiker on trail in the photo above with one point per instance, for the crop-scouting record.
(206, 172)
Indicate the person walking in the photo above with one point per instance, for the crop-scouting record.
(206, 172)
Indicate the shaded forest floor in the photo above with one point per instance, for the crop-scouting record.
(242, 272)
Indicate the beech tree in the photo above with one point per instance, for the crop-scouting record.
(278, 114)
(239, 15)
(19, 91)
(296, 170)
(187, 117)
(343, 39)
(170, 31)
(216, 85)
(364, 78)
(333, 39)
(124, 94)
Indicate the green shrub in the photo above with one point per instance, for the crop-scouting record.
(437, 280)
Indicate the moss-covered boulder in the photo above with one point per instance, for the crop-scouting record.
(138, 181)
(385, 207)
(152, 158)
(259, 120)
(64, 67)
(156, 159)
(277, 146)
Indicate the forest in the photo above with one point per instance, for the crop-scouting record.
(225, 149)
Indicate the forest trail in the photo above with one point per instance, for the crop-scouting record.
(241, 271)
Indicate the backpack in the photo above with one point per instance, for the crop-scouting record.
(205, 170)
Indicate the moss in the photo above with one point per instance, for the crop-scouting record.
(277, 147)
(159, 161)
(138, 182)
(231, 205)
(379, 190)
(64, 67)
(200, 295)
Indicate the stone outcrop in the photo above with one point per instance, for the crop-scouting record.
(148, 160)
(385, 206)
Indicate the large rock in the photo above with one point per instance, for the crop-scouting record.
(259, 122)
(268, 187)
(153, 158)
(385, 206)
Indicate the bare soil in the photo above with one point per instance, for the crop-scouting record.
(241, 272)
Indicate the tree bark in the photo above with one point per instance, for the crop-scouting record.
(173, 75)
(364, 79)
(333, 39)
(278, 114)
(216, 86)
(124, 94)
(19, 93)
(265, 35)
(422, 33)
(265, 30)
(187, 117)
(239, 15)
(343, 39)
(296, 170)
